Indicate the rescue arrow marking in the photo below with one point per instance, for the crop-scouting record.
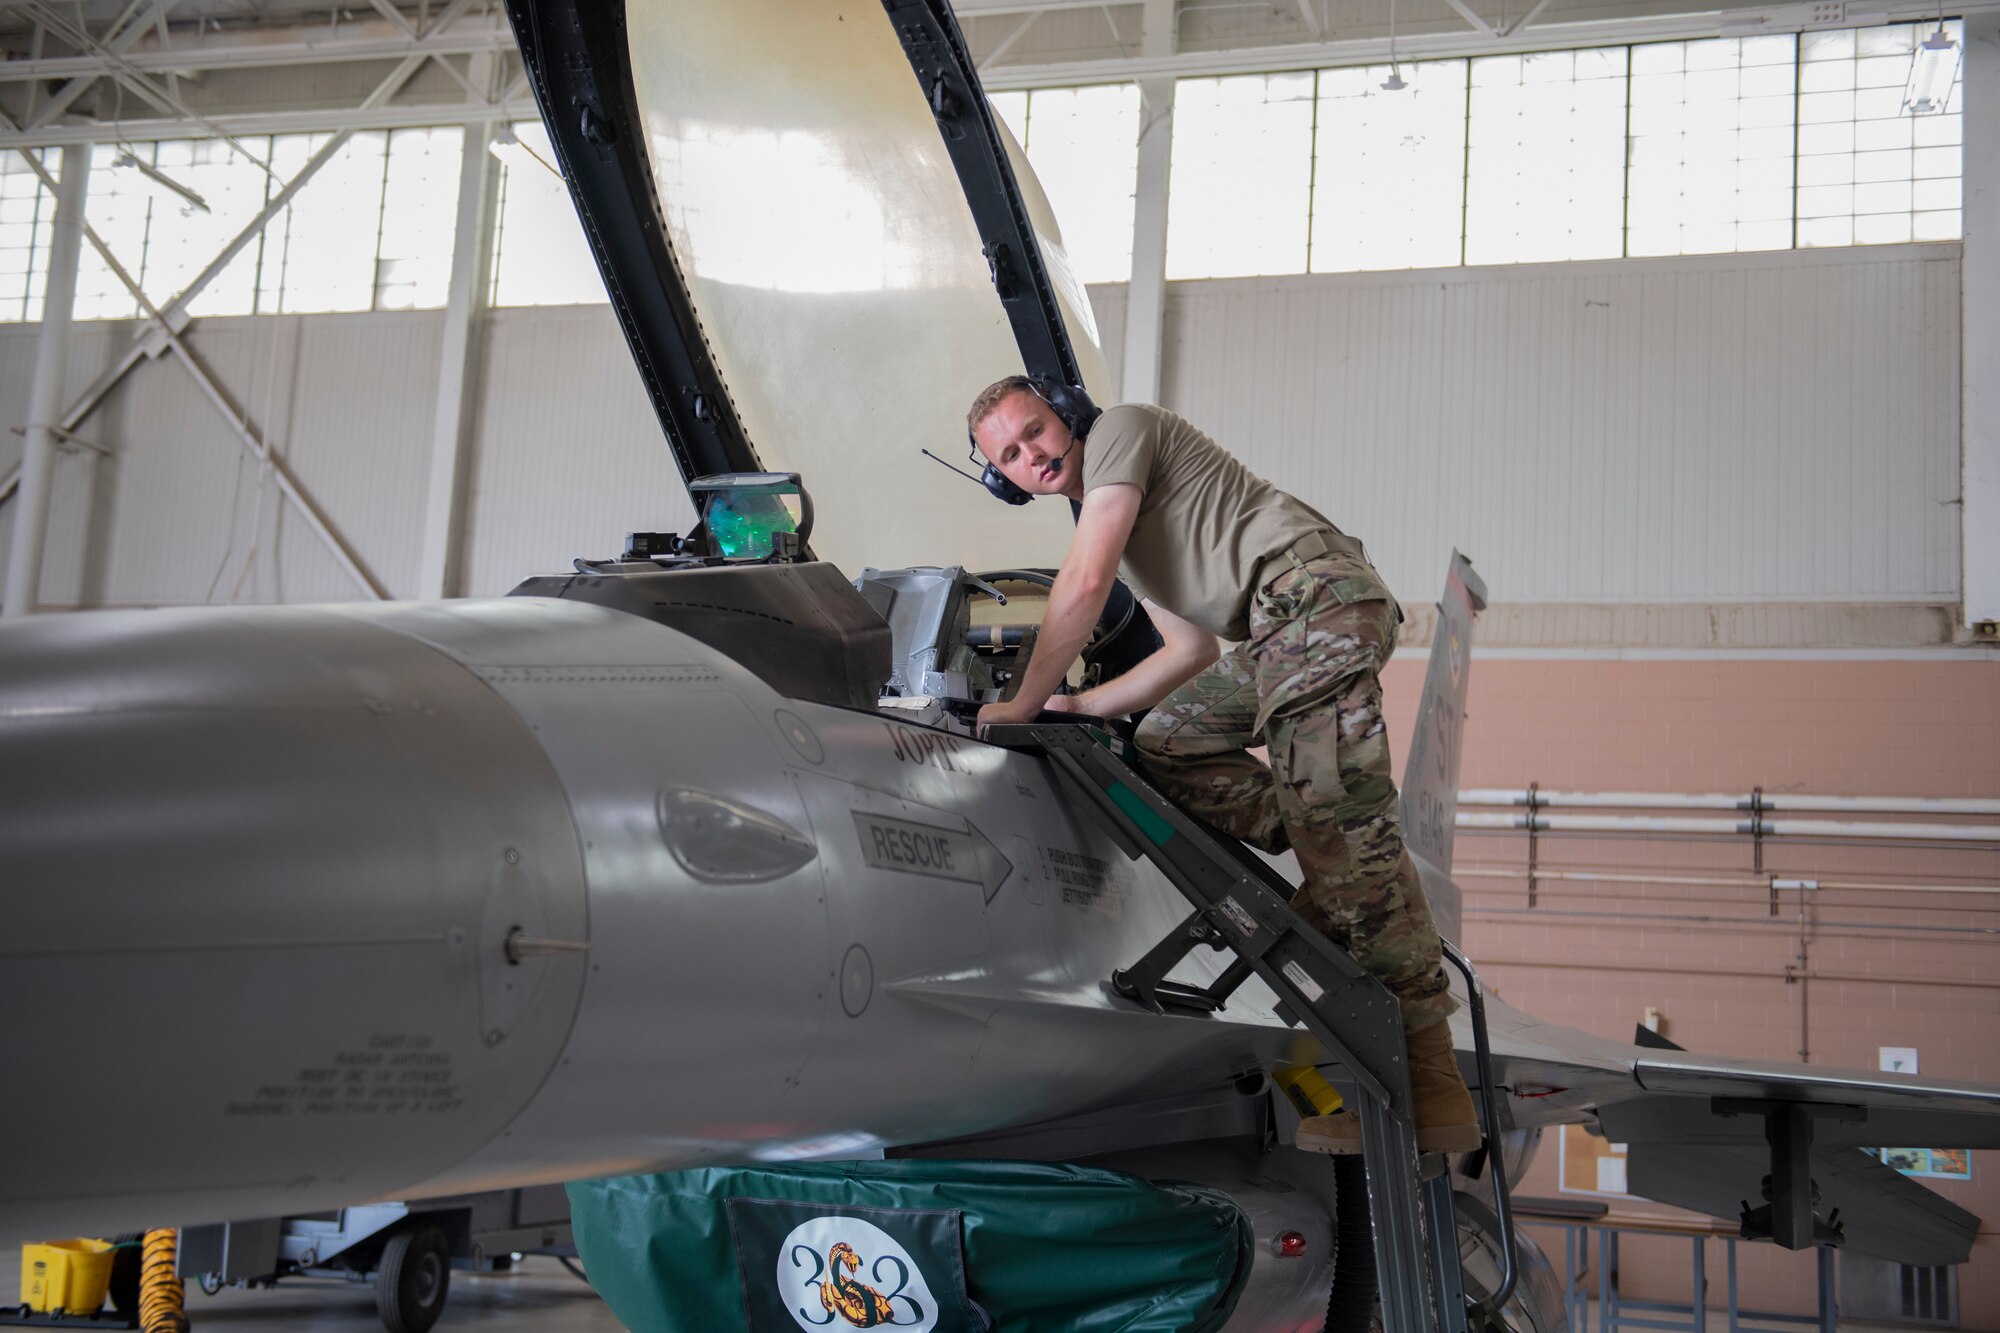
(962, 854)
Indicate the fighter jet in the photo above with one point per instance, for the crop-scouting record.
(689, 855)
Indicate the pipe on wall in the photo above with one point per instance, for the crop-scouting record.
(1757, 824)
(1753, 801)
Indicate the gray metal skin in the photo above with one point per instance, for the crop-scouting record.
(262, 866)
(259, 868)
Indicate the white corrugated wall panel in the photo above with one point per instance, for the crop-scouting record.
(1731, 428)
(569, 455)
(182, 513)
(1778, 427)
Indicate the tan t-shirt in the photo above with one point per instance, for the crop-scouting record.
(1207, 524)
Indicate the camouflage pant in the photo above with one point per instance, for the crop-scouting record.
(1306, 686)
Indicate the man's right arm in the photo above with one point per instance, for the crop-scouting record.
(1186, 651)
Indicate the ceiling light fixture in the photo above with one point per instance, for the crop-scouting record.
(1394, 83)
(1931, 74)
(162, 186)
(507, 146)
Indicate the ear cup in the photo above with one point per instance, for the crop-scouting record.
(1072, 404)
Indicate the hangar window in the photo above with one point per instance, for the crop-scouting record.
(118, 205)
(1084, 146)
(26, 212)
(319, 253)
(181, 240)
(1240, 202)
(1712, 125)
(1869, 172)
(539, 254)
(362, 234)
(1545, 168)
(1389, 168)
(419, 198)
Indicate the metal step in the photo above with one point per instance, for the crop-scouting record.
(1242, 905)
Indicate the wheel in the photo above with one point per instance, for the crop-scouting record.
(1536, 1305)
(413, 1280)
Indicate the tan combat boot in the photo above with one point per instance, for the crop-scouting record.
(1445, 1118)
(1446, 1121)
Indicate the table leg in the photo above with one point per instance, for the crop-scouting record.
(1734, 1309)
(1607, 1308)
(1700, 1286)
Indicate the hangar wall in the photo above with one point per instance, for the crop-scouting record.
(1769, 428)
(566, 457)
(1894, 964)
(1773, 429)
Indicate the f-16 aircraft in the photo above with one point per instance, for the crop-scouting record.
(690, 856)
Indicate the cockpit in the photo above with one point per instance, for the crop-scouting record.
(930, 644)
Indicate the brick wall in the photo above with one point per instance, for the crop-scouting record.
(1711, 957)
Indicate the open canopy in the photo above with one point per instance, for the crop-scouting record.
(807, 218)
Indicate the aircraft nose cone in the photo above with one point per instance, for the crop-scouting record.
(259, 867)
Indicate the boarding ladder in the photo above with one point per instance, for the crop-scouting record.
(1242, 905)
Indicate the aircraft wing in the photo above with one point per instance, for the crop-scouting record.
(1704, 1132)
(1699, 1136)
(1881, 1211)
(1644, 1094)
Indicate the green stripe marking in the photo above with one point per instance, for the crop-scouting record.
(1150, 822)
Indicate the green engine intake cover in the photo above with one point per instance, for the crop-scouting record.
(925, 1246)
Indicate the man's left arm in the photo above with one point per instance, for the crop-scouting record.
(1077, 600)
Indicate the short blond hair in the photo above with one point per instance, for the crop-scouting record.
(994, 394)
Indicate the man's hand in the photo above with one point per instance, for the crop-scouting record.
(1003, 713)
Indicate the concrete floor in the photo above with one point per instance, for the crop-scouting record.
(538, 1294)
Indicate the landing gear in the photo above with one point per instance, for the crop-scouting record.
(413, 1281)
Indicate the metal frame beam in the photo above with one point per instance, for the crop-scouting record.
(438, 571)
(450, 33)
(395, 17)
(1146, 291)
(1979, 384)
(121, 41)
(1409, 46)
(979, 9)
(1006, 44)
(173, 316)
(1472, 19)
(239, 420)
(38, 454)
(162, 333)
(514, 107)
(1522, 23)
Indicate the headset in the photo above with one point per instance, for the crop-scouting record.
(1072, 407)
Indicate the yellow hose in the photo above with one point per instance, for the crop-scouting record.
(162, 1296)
